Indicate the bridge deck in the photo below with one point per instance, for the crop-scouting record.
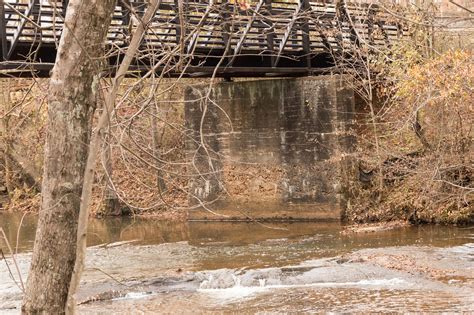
(271, 37)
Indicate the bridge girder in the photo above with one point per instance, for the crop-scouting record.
(271, 38)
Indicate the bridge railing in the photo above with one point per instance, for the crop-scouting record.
(284, 32)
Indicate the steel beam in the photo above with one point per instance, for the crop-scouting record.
(288, 31)
(21, 25)
(242, 38)
(3, 33)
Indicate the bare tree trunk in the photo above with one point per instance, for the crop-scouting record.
(420, 133)
(111, 202)
(94, 149)
(6, 135)
(160, 182)
(72, 99)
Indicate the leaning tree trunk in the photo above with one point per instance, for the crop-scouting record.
(72, 99)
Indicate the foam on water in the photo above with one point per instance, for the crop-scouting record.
(234, 293)
(134, 296)
(238, 292)
(382, 282)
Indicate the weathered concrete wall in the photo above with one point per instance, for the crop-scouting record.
(268, 149)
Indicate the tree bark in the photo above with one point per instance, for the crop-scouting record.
(72, 98)
(94, 149)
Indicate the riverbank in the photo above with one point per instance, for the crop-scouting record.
(417, 168)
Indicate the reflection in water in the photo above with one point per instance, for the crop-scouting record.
(237, 244)
(326, 234)
(10, 223)
(105, 231)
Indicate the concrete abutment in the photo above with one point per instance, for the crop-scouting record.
(269, 149)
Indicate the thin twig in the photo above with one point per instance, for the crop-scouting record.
(14, 260)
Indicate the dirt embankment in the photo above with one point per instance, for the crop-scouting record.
(423, 168)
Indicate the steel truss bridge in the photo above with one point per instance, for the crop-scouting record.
(206, 37)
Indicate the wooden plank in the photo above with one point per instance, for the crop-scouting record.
(384, 32)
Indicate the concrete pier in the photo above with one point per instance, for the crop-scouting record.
(269, 149)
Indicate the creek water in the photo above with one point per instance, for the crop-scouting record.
(145, 266)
